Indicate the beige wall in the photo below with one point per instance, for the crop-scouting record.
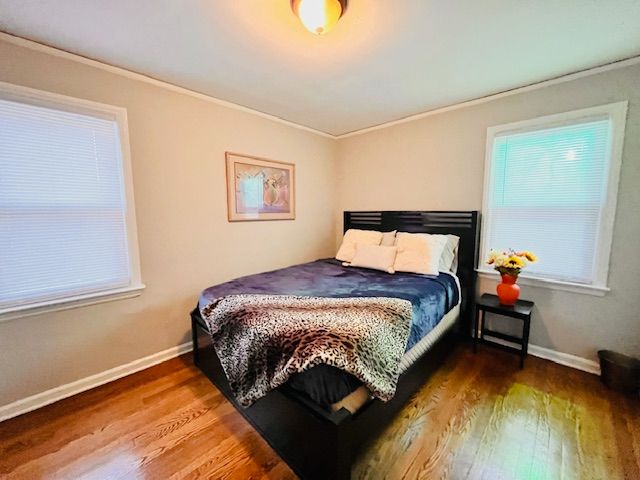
(186, 244)
(438, 163)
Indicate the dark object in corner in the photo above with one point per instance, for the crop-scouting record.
(619, 372)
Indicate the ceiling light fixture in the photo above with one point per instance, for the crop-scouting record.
(319, 16)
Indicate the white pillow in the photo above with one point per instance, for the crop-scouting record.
(449, 258)
(377, 257)
(419, 252)
(388, 239)
(348, 248)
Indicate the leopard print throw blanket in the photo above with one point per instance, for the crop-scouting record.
(262, 340)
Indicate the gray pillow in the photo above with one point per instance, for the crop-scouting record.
(449, 258)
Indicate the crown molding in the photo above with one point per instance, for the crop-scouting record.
(41, 47)
(626, 62)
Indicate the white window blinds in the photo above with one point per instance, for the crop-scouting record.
(547, 192)
(63, 211)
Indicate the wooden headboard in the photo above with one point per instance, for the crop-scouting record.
(465, 225)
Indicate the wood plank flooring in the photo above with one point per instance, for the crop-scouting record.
(478, 417)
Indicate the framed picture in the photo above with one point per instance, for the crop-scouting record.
(259, 189)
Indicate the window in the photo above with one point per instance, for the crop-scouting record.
(67, 224)
(551, 187)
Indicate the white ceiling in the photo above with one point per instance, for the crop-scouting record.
(385, 60)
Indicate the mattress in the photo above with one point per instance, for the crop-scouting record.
(432, 297)
(361, 395)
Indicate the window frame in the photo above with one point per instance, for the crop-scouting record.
(617, 114)
(135, 287)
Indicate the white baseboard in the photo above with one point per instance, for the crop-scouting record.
(63, 391)
(58, 393)
(566, 359)
(562, 358)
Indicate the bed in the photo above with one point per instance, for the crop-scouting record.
(318, 420)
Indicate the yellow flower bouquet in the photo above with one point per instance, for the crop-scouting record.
(510, 262)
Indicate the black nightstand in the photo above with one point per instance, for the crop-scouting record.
(521, 310)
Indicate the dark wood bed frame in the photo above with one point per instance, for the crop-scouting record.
(319, 444)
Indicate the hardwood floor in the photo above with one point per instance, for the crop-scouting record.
(478, 417)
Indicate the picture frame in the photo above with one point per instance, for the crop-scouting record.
(259, 188)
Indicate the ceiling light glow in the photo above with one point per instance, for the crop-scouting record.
(319, 16)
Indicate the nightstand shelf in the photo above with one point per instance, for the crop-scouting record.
(520, 311)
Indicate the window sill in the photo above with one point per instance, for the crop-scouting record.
(552, 284)
(70, 302)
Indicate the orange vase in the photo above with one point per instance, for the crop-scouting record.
(508, 290)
